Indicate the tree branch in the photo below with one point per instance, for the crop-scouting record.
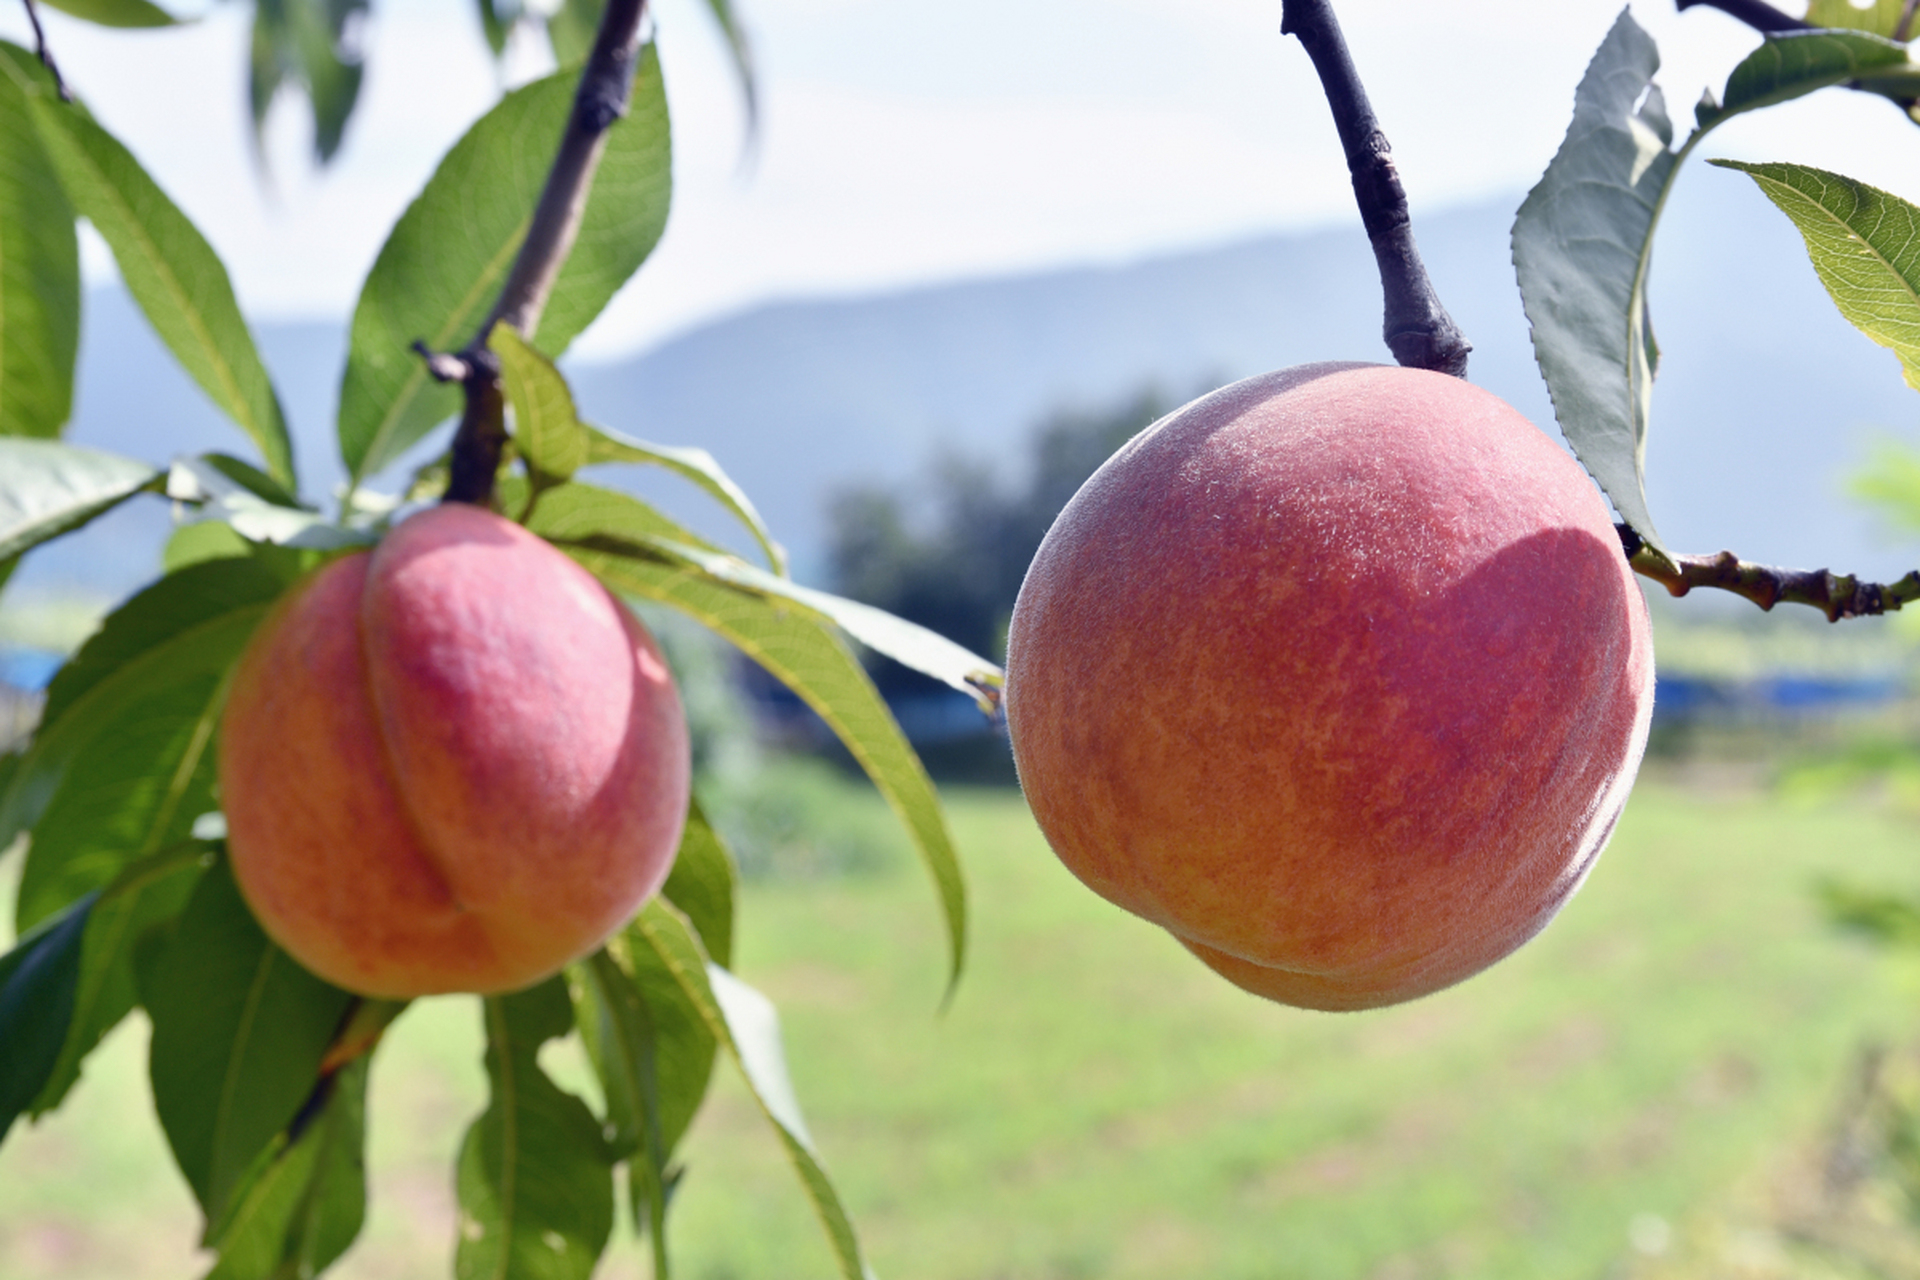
(600, 101)
(1418, 329)
(41, 51)
(1757, 14)
(1837, 596)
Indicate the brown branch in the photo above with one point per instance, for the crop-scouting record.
(43, 53)
(1418, 329)
(1757, 14)
(605, 84)
(1836, 595)
(1903, 29)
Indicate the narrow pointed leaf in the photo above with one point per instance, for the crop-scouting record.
(702, 885)
(698, 466)
(442, 266)
(742, 51)
(1582, 244)
(745, 1022)
(185, 630)
(48, 488)
(535, 1178)
(571, 28)
(805, 654)
(584, 515)
(171, 272)
(496, 23)
(38, 979)
(239, 1031)
(304, 1202)
(545, 426)
(116, 13)
(39, 266)
(1865, 246)
(138, 904)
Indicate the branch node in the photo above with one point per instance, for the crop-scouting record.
(42, 52)
(1835, 595)
(442, 366)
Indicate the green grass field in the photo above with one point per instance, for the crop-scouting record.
(1096, 1103)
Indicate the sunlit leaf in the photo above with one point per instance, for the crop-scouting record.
(38, 979)
(571, 28)
(535, 1177)
(1583, 240)
(1793, 64)
(545, 425)
(116, 13)
(443, 265)
(1865, 247)
(617, 1026)
(171, 272)
(587, 516)
(745, 1022)
(39, 265)
(48, 488)
(239, 1031)
(696, 465)
(702, 884)
(1881, 17)
(807, 655)
(303, 1202)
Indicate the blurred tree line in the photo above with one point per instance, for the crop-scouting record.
(949, 551)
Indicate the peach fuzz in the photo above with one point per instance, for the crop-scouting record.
(1339, 674)
(453, 763)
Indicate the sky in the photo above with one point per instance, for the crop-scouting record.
(917, 141)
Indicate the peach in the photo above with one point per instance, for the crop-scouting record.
(453, 763)
(1339, 675)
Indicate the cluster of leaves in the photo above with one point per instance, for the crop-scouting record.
(958, 574)
(259, 1069)
(313, 47)
(1583, 239)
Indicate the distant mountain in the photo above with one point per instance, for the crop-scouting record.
(1766, 397)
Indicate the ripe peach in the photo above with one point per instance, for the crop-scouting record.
(1339, 675)
(453, 763)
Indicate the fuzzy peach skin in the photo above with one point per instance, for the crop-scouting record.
(454, 763)
(1339, 675)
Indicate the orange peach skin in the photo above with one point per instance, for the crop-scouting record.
(454, 763)
(1338, 674)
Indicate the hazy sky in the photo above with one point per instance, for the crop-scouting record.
(909, 141)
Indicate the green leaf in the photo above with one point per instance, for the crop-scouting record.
(305, 41)
(139, 902)
(39, 265)
(696, 465)
(587, 516)
(1583, 240)
(617, 1027)
(742, 51)
(256, 511)
(496, 23)
(1582, 244)
(571, 29)
(116, 13)
(239, 1031)
(701, 884)
(743, 1020)
(304, 1201)
(442, 266)
(535, 1180)
(38, 979)
(171, 272)
(1792, 64)
(185, 630)
(1865, 247)
(545, 426)
(48, 488)
(806, 654)
(1881, 17)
